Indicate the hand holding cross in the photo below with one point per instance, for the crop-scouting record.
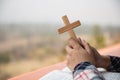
(69, 27)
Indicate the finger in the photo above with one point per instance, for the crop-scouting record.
(80, 42)
(74, 43)
(94, 50)
(67, 58)
(69, 63)
(86, 46)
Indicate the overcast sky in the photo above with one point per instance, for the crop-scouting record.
(103, 12)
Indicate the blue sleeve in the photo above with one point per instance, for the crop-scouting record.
(115, 64)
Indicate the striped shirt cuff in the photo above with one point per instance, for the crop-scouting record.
(86, 71)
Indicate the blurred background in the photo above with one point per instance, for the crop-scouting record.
(28, 31)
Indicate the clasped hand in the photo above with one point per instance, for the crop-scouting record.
(80, 51)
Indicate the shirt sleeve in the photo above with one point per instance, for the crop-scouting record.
(115, 64)
(86, 71)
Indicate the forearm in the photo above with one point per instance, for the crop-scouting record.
(86, 71)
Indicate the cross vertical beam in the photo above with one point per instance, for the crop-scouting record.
(68, 27)
(71, 32)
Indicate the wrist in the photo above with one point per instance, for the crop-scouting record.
(106, 61)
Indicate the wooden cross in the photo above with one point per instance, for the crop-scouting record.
(68, 27)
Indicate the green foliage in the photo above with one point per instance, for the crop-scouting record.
(98, 37)
(4, 58)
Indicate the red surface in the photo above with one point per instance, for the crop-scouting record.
(35, 75)
(113, 50)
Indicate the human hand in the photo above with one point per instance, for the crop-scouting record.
(101, 61)
(81, 52)
(77, 54)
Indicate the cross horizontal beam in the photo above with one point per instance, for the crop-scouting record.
(69, 27)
